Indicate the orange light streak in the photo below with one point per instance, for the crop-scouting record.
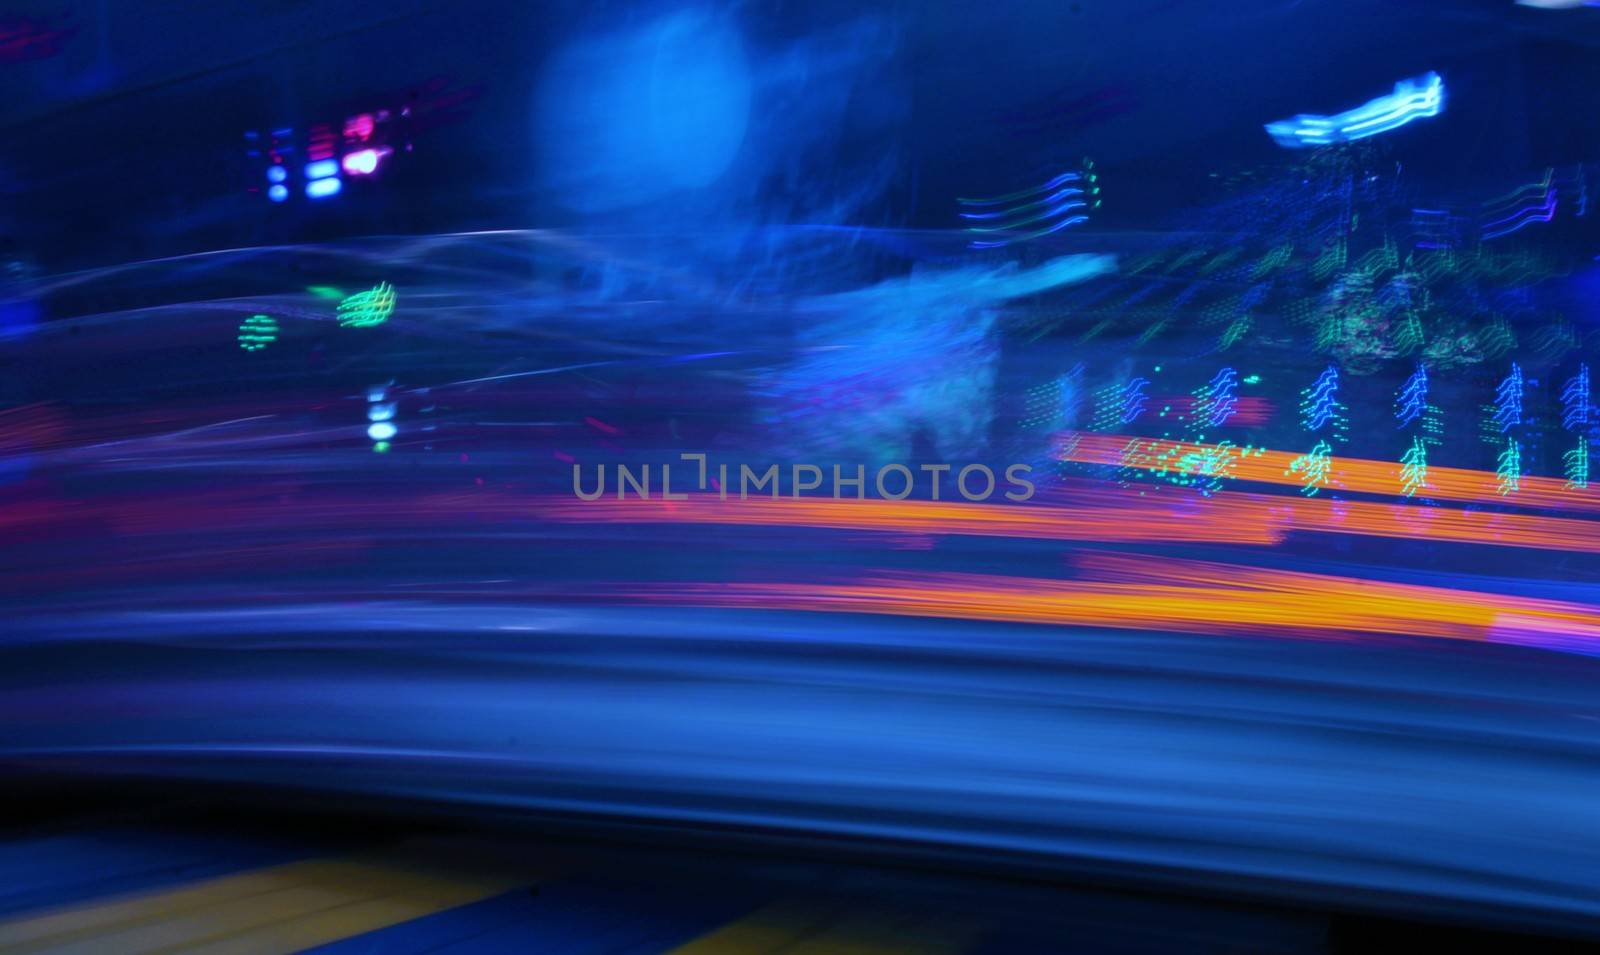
(1135, 593)
(1110, 515)
(1107, 519)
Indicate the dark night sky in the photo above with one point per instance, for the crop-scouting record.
(126, 143)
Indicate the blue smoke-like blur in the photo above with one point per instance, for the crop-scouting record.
(1297, 610)
(644, 113)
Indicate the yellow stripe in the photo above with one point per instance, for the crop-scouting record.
(283, 909)
(764, 930)
(799, 928)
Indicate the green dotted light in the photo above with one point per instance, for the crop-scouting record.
(1414, 468)
(1509, 473)
(257, 332)
(1577, 464)
(365, 309)
(1313, 467)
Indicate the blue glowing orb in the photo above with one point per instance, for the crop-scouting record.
(630, 117)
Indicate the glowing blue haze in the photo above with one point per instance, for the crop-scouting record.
(633, 116)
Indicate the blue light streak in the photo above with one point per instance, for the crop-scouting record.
(1044, 208)
(1060, 180)
(1043, 203)
(1133, 400)
(1508, 400)
(1321, 403)
(1217, 400)
(1575, 401)
(997, 243)
(1413, 398)
(1412, 99)
(1522, 215)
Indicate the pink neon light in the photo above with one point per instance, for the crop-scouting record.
(321, 143)
(358, 128)
(363, 162)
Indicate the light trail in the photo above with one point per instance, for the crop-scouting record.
(1361, 475)
(1186, 596)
